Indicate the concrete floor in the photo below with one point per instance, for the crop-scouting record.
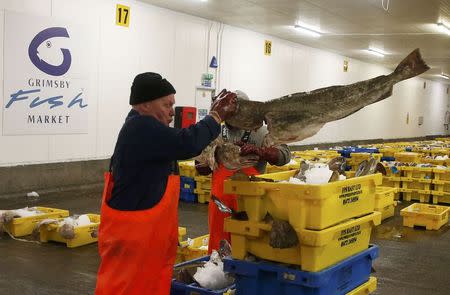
(412, 261)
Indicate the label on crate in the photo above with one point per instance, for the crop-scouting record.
(350, 194)
(349, 235)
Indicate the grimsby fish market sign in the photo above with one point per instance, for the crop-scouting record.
(45, 77)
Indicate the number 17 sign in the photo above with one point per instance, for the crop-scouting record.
(122, 15)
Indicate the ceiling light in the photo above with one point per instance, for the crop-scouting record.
(443, 28)
(308, 31)
(444, 76)
(377, 52)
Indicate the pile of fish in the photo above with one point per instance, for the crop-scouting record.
(298, 116)
(207, 274)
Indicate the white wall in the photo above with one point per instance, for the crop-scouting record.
(293, 68)
(176, 46)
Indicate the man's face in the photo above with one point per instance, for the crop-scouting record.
(162, 109)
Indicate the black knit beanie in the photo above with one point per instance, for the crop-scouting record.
(149, 86)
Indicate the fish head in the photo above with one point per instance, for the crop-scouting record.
(338, 164)
(67, 231)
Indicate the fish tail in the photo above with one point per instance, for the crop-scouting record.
(411, 66)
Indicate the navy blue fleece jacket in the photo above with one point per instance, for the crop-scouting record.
(143, 155)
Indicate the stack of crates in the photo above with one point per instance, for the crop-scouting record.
(203, 188)
(392, 179)
(333, 222)
(416, 183)
(187, 187)
(441, 185)
(384, 201)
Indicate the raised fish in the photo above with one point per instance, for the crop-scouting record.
(301, 115)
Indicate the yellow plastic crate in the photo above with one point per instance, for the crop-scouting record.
(441, 174)
(440, 197)
(181, 233)
(203, 182)
(439, 152)
(314, 154)
(317, 249)
(433, 217)
(418, 195)
(433, 161)
(416, 172)
(441, 186)
(356, 158)
(390, 151)
(23, 226)
(187, 168)
(416, 184)
(203, 196)
(384, 196)
(407, 157)
(387, 211)
(350, 174)
(311, 206)
(197, 248)
(369, 287)
(394, 182)
(84, 235)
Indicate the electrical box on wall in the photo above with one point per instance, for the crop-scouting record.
(184, 116)
(203, 97)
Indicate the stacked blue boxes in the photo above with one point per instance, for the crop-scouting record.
(187, 186)
(263, 278)
(178, 288)
(346, 152)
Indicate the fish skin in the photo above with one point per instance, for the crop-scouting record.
(297, 116)
(301, 115)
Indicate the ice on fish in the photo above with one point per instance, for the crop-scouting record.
(212, 276)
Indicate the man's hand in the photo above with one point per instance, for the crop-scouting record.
(269, 154)
(224, 105)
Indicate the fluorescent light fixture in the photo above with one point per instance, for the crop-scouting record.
(443, 28)
(444, 76)
(307, 31)
(376, 52)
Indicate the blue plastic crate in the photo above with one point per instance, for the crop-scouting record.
(179, 288)
(348, 151)
(188, 196)
(387, 159)
(262, 278)
(187, 184)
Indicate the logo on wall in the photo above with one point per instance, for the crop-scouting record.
(39, 62)
(45, 76)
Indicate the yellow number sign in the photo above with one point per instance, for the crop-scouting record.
(122, 15)
(268, 48)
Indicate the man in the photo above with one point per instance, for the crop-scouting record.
(138, 232)
(251, 144)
